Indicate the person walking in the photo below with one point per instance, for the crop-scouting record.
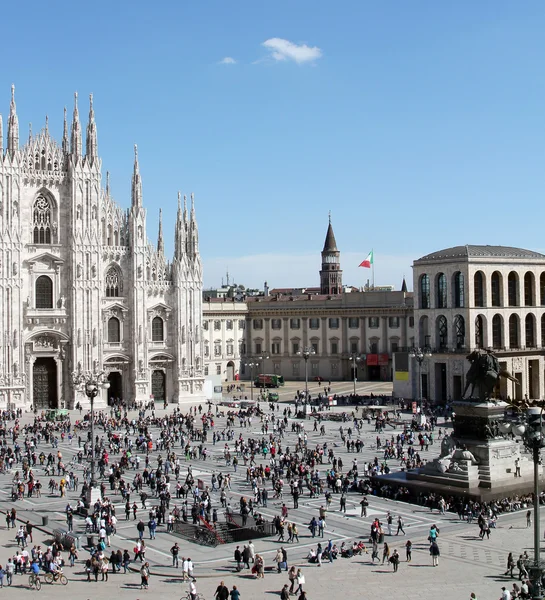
(292, 577)
(435, 554)
(175, 550)
(235, 594)
(409, 550)
(364, 504)
(385, 552)
(400, 525)
(144, 576)
(394, 559)
(389, 521)
(222, 592)
(529, 518)
(510, 565)
(300, 582)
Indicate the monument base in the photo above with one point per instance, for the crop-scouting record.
(93, 494)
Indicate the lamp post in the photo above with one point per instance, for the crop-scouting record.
(262, 358)
(92, 383)
(355, 358)
(306, 353)
(530, 429)
(420, 354)
(251, 365)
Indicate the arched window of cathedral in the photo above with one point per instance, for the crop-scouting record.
(109, 241)
(41, 217)
(42, 162)
(37, 161)
(157, 330)
(113, 283)
(116, 238)
(114, 330)
(44, 292)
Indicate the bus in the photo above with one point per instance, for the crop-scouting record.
(269, 381)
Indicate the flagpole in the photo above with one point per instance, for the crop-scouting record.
(373, 267)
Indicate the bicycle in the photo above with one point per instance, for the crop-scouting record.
(52, 577)
(34, 581)
(188, 596)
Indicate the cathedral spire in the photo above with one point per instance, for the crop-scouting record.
(47, 123)
(136, 195)
(193, 231)
(76, 130)
(1, 137)
(185, 208)
(65, 147)
(29, 133)
(13, 125)
(91, 145)
(107, 184)
(160, 243)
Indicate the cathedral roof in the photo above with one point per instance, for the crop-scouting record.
(469, 251)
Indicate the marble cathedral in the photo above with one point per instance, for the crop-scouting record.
(81, 286)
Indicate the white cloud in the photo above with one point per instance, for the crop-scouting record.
(228, 60)
(281, 49)
(301, 270)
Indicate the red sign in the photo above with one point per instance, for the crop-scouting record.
(372, 360)
(383, 359)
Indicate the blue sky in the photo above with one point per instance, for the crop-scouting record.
(419, 125)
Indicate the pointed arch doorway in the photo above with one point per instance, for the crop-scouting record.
(44, 383)
(116, 387)
(158, 385)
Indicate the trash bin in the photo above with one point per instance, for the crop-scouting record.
(91, 541)
(45, 520)
(381, 538)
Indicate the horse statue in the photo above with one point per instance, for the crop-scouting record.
(483, 374)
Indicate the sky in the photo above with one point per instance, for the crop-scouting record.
(418, 125)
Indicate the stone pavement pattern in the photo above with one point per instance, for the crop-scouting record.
(467, 563)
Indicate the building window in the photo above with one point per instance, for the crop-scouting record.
(44, 292)
(113, 283)
(114, 330)
(495, 285)
(295, 323)
(393, 322)
(241, 324)
(334, 323)
(459, 290)
(276, 323)
(258, 347)
(157, 330)
(206, 350)
(295, 347)
(354, 348)
(478, 288)
(441, 300)
(512, 289)
(374, 322)
(393, 347)
(460, 331)
(513, 331)
(373, 346)
(424, 291)
(442, 332)
(314, 323)
(218, 369)
(275, 348)
(295, 369)
(205, 325)
(42, 221)
(542, 289)
(543, 331)
(206, 370)
(230, 349)
(314, 346)
(334, 348)
(334, 369)
(530, 331)
(353, 322)
(229, 324)
(497, 332)
(315, 369)
(217, 325)
(529, 289)
(411, 321)
(217, 349)
(258, 324)
(479, 331)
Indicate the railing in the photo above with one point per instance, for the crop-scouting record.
(211, 529)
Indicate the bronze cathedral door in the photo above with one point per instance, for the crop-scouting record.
(44, 384)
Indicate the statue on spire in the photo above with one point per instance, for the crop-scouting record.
(75, 142)
(91, 145)
(13, 125)
(136, 195)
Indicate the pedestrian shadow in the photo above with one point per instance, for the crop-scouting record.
(382, 571)
(130, 586)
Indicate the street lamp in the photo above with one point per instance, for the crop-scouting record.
(251, 365)
(91, 383)
(530, 429)
(306, 353)
(355, 358)
(263, 357)
(420, 354)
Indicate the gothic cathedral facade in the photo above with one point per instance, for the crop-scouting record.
(81, 287)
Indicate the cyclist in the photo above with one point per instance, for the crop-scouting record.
(35, 569)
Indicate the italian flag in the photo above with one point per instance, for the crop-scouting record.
(368, 261)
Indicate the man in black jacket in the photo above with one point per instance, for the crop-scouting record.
(238, 558)
(222, 592)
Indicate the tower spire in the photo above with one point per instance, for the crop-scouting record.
(136, 181)
(76, 130)
(47, 123)
(91, 145)
(160, 243)
(185, 208)
(65, 147)
(1, 137)
(107, 184)
(29, 133)
(193, 231)
(13, 125)
(330, 273)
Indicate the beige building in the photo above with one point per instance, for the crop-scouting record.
(470, 297)
(81, 286)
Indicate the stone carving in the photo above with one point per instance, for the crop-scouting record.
(447, 446)
(79, 270)
(483, 374)
(517, 363)
(44, 341)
